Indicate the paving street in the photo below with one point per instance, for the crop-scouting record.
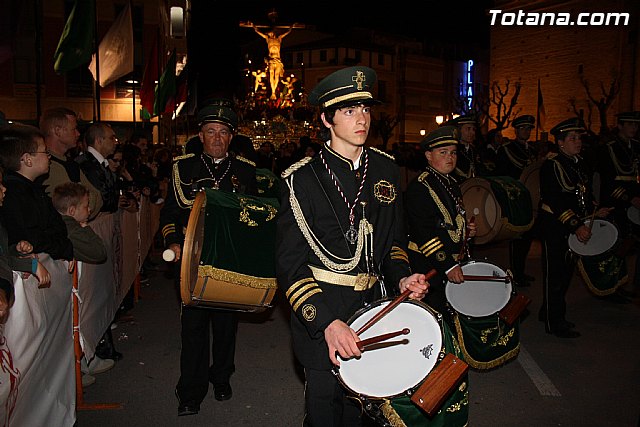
(590, 381)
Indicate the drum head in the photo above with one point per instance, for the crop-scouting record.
(480, 202)
(192, 248)
(604, 236)
(479, 298)
(388, 371)
(633, 214)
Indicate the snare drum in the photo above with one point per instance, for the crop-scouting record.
(479, 298)
(228, 257)
(378, 373)
(486, 340)
(393, 371)
(604, 236)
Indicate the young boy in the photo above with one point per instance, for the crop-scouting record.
(16, 258)
(27, 212)
(71, 200)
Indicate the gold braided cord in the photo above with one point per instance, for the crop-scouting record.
(454, 234)
(561, 174)
(391, 415)
(617, 165)
(519, 163)
(177, 187)
(364, 230)
(236, 278)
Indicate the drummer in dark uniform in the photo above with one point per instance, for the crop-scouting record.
(340, 242)
(512, 158)
(566, 199)
(469, 163)
(213, 168)
(436, 219)
(618, 163)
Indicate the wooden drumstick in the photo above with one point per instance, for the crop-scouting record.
(471, 278)
(403, 296)
(373, 340)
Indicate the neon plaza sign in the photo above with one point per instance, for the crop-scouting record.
(466, 89)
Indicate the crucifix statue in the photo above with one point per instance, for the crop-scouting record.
(275, 68)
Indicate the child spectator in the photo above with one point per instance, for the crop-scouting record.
(12, 259)
(27, 212)
(71, 200)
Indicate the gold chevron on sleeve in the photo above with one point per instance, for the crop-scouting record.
(298, 284)
(564, 217)
(168, 229)
(309, 291)
(399, 253)
(431, 246)
(618, 192)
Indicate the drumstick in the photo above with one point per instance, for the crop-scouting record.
(403, 296)
(373, 340)
(472, 278)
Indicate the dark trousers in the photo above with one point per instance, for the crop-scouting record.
(557, 269)
(198, 324)
(519, 250)
(327, 404)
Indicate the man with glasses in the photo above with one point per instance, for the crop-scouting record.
(60, 128)
(27, 212)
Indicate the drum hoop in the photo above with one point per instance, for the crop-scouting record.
(448, 284)
(437, 317)
(191, 254)
(572, 241)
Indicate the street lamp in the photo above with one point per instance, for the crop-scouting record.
(423, 132)
(439, 120)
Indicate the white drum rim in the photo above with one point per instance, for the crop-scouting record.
(351, 371)
(590, 248)
(479, 298)
(633, 214)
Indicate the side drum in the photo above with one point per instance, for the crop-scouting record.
(228, 257)
(530, 177)
(501, 206)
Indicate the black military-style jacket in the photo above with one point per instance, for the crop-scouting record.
(193, 172)
(28, 214)
(513, 157)
(618, 167)
(468, 164)
(434, 224)
(316, 303)
(565, 192)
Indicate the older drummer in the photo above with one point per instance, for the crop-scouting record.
(214, 168)
(437, 224)
(566, 200)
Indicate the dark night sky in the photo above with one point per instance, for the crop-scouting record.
(215, 36)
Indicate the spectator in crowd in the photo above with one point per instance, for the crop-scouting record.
(16, 258)
(60, 128)
(101, 142)
(27, 212)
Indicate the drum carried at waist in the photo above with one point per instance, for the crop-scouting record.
(501, 206)
(395, 373)
(485, 312)
(530, 177)
(601, 268)
(228, 257)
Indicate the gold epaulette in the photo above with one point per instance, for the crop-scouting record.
(383, 153)
(294, 167)
(423, 176)
(247, 161)
(184, 156)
